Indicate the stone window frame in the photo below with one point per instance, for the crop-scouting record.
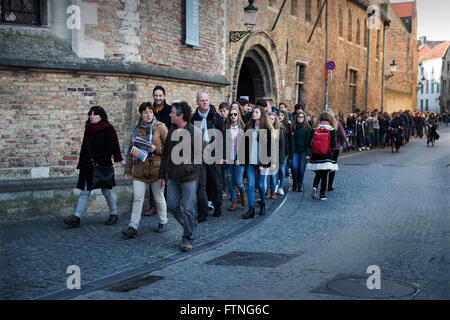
(366, 34)
(349, 26)
(319, 24)
(341, 22)
(300, 81)
(294, 8)
(358, 32)
(353, 87)
(43, 16)
(308, 11)
(378, 43)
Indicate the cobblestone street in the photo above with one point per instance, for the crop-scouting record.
(388, 210)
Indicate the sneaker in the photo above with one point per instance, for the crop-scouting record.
(130, 232)
(359, 149)
(161, 228)
(186, 247)
(280, 191)
(73, 221)
(323, 197)
(210, 205)
(313, 193)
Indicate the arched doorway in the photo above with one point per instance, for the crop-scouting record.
(257, 71)
(256, 76)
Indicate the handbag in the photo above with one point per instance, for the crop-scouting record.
(102, 177)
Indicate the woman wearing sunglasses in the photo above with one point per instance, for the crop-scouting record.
(235, 170)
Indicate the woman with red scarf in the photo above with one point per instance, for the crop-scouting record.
(100, 140)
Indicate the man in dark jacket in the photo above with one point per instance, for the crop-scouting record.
(162, 109)
(210, 182)
(182, 182)
(162, 113)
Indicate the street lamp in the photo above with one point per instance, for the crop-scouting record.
(421, 83)
(393, 70)
(250, 21)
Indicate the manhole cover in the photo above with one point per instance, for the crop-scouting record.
(355, 286)
(253, 259)
(134, 283)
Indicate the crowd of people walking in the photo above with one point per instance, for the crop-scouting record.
(261, 145)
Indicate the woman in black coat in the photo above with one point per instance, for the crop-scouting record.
(100, 143)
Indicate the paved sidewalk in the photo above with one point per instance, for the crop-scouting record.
(35, 254)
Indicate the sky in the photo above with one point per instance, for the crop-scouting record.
(433, 18)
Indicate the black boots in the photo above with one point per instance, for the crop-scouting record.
(112, 219)
(249, 214)
(262, 210)
(72, 221)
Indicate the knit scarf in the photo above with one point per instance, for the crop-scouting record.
(204, 124)
(95, 127)
(148, 132)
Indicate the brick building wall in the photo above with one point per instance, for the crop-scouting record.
(124, 49)
(290, 46)
(401, 46)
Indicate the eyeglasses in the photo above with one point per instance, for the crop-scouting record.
(301, 116)
(233, 114)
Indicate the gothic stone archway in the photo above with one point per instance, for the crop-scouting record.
(257, 71)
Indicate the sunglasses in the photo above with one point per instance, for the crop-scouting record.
(301, 116)
(233, 114)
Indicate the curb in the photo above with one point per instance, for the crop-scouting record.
(127, 275)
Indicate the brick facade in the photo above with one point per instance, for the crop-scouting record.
(125, 48)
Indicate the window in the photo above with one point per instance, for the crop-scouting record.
(448, 65)
(349, 26)
(352, 85)
(319, 24)
(308, 11)
(427, 86)
(366, 31)
(341, 25)
(437, 87)
(272, 3)
(358, 32)
(300, 78)
(294, 7)
(426, 105)
(432, 86)
(444, 86)
(378, 42)
(20, 11)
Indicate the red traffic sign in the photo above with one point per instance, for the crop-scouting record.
(331, 65)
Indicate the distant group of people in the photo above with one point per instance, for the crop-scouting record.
(367, 130)
(189, 188)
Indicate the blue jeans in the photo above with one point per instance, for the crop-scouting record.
(252, 171)
(273, 181)
(83, 201)
(298, 166)
(282, 172)
(185, 213)
(375, 137)
(234, 176)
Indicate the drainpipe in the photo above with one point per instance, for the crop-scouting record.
(385, 26)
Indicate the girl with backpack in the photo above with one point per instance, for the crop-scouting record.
(323, 142)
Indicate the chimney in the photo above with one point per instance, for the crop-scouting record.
(423, 40)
